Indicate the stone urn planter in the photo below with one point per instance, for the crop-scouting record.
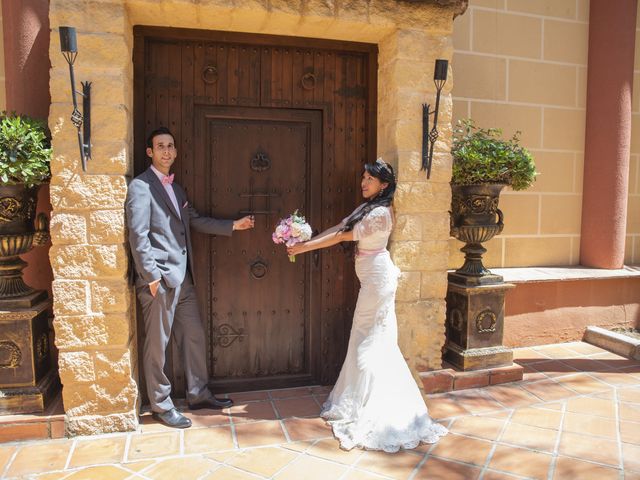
(20, 231)
(475, 219)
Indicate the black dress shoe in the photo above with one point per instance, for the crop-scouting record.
(172, 418)
(213, 403)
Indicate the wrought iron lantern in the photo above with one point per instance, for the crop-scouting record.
(429, 137)
(82, 121)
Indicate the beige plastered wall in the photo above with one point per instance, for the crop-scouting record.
(93, 302)
(3, 90)
(522, 65)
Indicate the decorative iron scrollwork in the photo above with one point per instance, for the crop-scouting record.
(260, 162)
(224, 335)
(210, 74)
(475, 204)
(258, 269)
(12, 209)
(481, 322)
(10, 354)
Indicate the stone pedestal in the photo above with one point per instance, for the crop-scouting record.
(475, 325)
(27, 377)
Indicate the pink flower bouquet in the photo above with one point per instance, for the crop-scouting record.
(291, 230)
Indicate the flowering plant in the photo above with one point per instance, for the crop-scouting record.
(291, 230)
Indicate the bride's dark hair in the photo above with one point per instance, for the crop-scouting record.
(383, 172)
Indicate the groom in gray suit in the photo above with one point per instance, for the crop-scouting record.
(159, 217)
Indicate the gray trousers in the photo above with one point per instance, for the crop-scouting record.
(173, 309)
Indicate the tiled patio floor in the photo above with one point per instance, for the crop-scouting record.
(576, 415)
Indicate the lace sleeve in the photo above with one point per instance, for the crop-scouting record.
(378, 220)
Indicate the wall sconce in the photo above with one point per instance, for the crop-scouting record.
(69, 47)
(429, 137)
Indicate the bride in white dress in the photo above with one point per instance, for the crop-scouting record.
(375, 404)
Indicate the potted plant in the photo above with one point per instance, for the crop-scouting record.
(483, 164)
(25, 155)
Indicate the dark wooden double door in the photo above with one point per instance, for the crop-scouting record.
(263, 125)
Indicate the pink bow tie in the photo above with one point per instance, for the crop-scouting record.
(167, 179)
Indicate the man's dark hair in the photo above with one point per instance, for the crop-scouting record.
(159, 131)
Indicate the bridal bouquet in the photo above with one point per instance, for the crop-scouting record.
(291, 230)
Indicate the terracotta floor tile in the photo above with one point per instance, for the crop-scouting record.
(94, 452)
(105, 472)
(52, 476)
(488, 428)
(556, 351)
(398, 465)
(463, 449)
(138, 466)
(583, 383)
(492, 475)
(307, 428)
(583, 348)
(629, 412)
(521, 462)
(151, 445)
(259, 433)
(588, 365)
(615, 361)
(570, 468)
(630, 432)
(200, 440)
(321, 398)
(530, 374)
(438, 469)
(300, 446)
(590, 425)
(290, 392)
(360, 475)
(181, 468)
(554, 368)
(629, 394)
(631, 456)
(252, 411)
(527, 355)
(589, 448)
(543, 439)
(311, 468)
(297, 407)
(40, 458)
(592, 406)
(263, 461)
(329, 449)
(229, 473)
(206, 418)
(537, 417)
(6, 452)
(444, 407)
(322, 389)
(548, 390)
(242, 397)
(631, 475)
(616, 377)
(512, 395)
(476, 401)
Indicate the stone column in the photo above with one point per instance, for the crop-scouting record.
(419, 243)
(93, 306)
(612, 29)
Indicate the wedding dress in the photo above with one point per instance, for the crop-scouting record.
(376, 404)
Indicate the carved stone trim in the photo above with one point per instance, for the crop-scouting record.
(12, 351)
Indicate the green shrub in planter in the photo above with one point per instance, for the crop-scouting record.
(25, 151)
(482, 156)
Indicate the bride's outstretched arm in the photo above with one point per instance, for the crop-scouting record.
(326, 239)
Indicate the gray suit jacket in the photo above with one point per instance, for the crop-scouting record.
(160, 240)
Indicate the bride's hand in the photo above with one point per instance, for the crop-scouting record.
(296, 249)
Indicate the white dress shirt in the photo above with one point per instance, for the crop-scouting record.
(169, 189)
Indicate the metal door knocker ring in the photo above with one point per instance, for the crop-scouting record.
(258, 270)
(210, 74)
(308, 81)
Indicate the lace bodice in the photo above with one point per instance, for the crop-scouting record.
(372, 232)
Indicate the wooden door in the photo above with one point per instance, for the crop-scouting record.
(263, 124)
